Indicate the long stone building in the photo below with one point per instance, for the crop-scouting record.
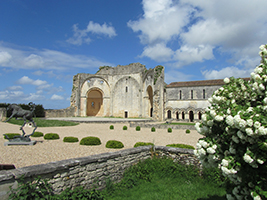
(135, 91)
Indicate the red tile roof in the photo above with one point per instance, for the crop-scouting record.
(199, 83)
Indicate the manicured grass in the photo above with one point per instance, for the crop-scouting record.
(45, 122)
(163, 179)
(180, 123)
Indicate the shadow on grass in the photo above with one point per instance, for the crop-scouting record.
(213, 198)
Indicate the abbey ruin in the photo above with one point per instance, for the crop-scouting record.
(135, 91)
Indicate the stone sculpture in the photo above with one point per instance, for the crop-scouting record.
(26, 115)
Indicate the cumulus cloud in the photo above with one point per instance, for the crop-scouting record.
(199, 27)
(57, 97)
(14, 88)
(26, 80)
(19, 96)
(80, 36)
(226, 72)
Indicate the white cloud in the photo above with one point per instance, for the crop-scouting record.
(188, 54)
(26, 80)
(57, 97)
(190, 24)
(44, 59)
(226, 72)
(81, 36)
(158, 52)
(5, 58)
(14, 88)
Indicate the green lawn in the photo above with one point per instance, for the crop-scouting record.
(45, 123)
(164, 180)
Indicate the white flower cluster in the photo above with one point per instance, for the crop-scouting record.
(233, 125)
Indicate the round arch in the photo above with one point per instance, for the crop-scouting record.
(94, 102)
(150, 99)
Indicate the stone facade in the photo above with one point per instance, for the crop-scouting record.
(122, 91)
(91, 171)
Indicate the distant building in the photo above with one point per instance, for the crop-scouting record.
(134, 91)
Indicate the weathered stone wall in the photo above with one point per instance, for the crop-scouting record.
(2, 114)
(91, 171)
(68, 112)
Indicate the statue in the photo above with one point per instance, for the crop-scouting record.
(18, 112)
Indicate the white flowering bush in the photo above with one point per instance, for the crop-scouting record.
(235, 133)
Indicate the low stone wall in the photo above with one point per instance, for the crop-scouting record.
(2, 114)
(162, 126)
(68, 112)
(91, 171)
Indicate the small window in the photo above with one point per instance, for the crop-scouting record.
(204, 94)
(183, 115)
(180, 93)
(126, 89)
(93, 104)
(126, 114)
(101, 82)
(169, 113)
(192, 94)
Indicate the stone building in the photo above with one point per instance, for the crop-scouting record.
(134, 91)
(186, 101)
(122, 91)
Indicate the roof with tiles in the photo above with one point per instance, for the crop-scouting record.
(199, 83)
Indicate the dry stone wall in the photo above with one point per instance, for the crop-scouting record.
(91, 171)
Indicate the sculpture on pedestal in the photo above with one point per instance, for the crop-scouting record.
(26, 115)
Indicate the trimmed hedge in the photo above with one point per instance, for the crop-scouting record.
(38, 134)
(153, 129)
(183, 146)
(114, 144)
(138, 128)
(137, 144)
(90, 141)
(51, 136)
(11, 135)
(70, 139)
(187, 131)
(169, 130)
(111, 127)
(124, 128)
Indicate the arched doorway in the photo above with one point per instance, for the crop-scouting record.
(191, 116)
(94, 102)
(150, 99)
(169, 113)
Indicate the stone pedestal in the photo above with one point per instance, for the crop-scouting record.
(31, 143)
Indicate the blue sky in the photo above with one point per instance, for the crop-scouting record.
(43, 44)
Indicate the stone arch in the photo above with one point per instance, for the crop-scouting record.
(94, 101)
(126, 95)
(191, 116)
(169, 114)
(150, 100)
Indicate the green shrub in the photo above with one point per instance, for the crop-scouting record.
(124, 128)
(187, 131)
(114, 144)
(137, 144)
(169, 130)
(90, 141)
(153, 129)
(70, 139)
(138, 128)
(38, 134)
(111, 127)
(183, 146)
(51, 136)
(11, 135)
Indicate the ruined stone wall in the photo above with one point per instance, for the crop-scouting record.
(91, 171)
(68, 112)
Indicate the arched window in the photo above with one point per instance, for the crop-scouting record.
(199, 115)
(204, 94)
(169, 113)
(183, 115)
(192, 94)
(191, 115)
(177, 115)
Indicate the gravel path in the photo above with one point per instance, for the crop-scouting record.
(54, 150)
